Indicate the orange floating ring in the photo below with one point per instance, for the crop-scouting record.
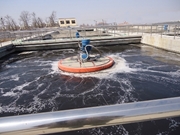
(72, 65)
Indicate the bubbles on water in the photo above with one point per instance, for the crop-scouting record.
(173, 124)
(10, 93)
(54, 67)
(114, 85)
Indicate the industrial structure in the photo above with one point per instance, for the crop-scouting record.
(67, 22)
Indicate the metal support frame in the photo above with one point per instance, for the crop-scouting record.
(84, 32)
(161, 31)
(156, 28)
(151, 30)
(70, 34)
(76, 119)
(175, 31)
(114, 31)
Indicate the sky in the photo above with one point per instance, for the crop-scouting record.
(90, 11)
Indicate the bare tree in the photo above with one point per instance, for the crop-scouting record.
(52, 19)
(14, 24)
(10, 23)
(2, 23)
(34, 21)
(40, 22)
(37, 22)
(25, 18)
(47, 22)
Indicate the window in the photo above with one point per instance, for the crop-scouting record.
(62, 22)
(73, 21)
(67, 22)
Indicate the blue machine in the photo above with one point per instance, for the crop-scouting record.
(77, 34)
(86, 48)
(165, 27)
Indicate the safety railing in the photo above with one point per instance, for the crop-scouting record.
(93, 31)
(84, 118)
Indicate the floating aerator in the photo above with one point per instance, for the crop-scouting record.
(84, 62)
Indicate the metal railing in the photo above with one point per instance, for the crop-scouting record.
(76, 119)
(89, 32)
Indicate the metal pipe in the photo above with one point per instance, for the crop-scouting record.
(76, 119)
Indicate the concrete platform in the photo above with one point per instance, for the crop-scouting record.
(164, 42)
(73, 43)
(72, 64)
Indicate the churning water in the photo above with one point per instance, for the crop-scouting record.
(30, 82)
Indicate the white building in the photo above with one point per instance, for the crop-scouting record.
(67, 22)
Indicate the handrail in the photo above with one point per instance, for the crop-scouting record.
(113, 30)
(76, 119)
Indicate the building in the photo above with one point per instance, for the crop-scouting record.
(67, 22)
(124, 23)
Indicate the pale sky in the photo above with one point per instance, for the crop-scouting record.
(86, 11)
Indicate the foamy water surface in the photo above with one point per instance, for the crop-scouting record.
(31, 82)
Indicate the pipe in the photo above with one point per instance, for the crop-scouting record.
(87, 51)
(97, 50)
(76, 119)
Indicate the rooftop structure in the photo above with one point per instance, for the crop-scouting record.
(67, 22)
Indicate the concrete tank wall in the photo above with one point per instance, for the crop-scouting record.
(163, 42)
(6, 50)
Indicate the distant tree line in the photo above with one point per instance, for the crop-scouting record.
(27, 21)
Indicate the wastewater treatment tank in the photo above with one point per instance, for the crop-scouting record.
(31, 82)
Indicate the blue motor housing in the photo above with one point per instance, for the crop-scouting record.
(85, 42)
(77, 35)
(85, 49)
(84, 56)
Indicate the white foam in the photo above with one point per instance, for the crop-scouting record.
(20, 87)
(173, 124)
(10, 93)
(54, 67)
(26, 52)
(120, 66)
(15, 77)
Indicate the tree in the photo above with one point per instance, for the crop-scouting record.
(52, 19)
(2, 23)
(34, 21)
(37, 22)
(10, 23)
(25, 18)
(40, 22)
